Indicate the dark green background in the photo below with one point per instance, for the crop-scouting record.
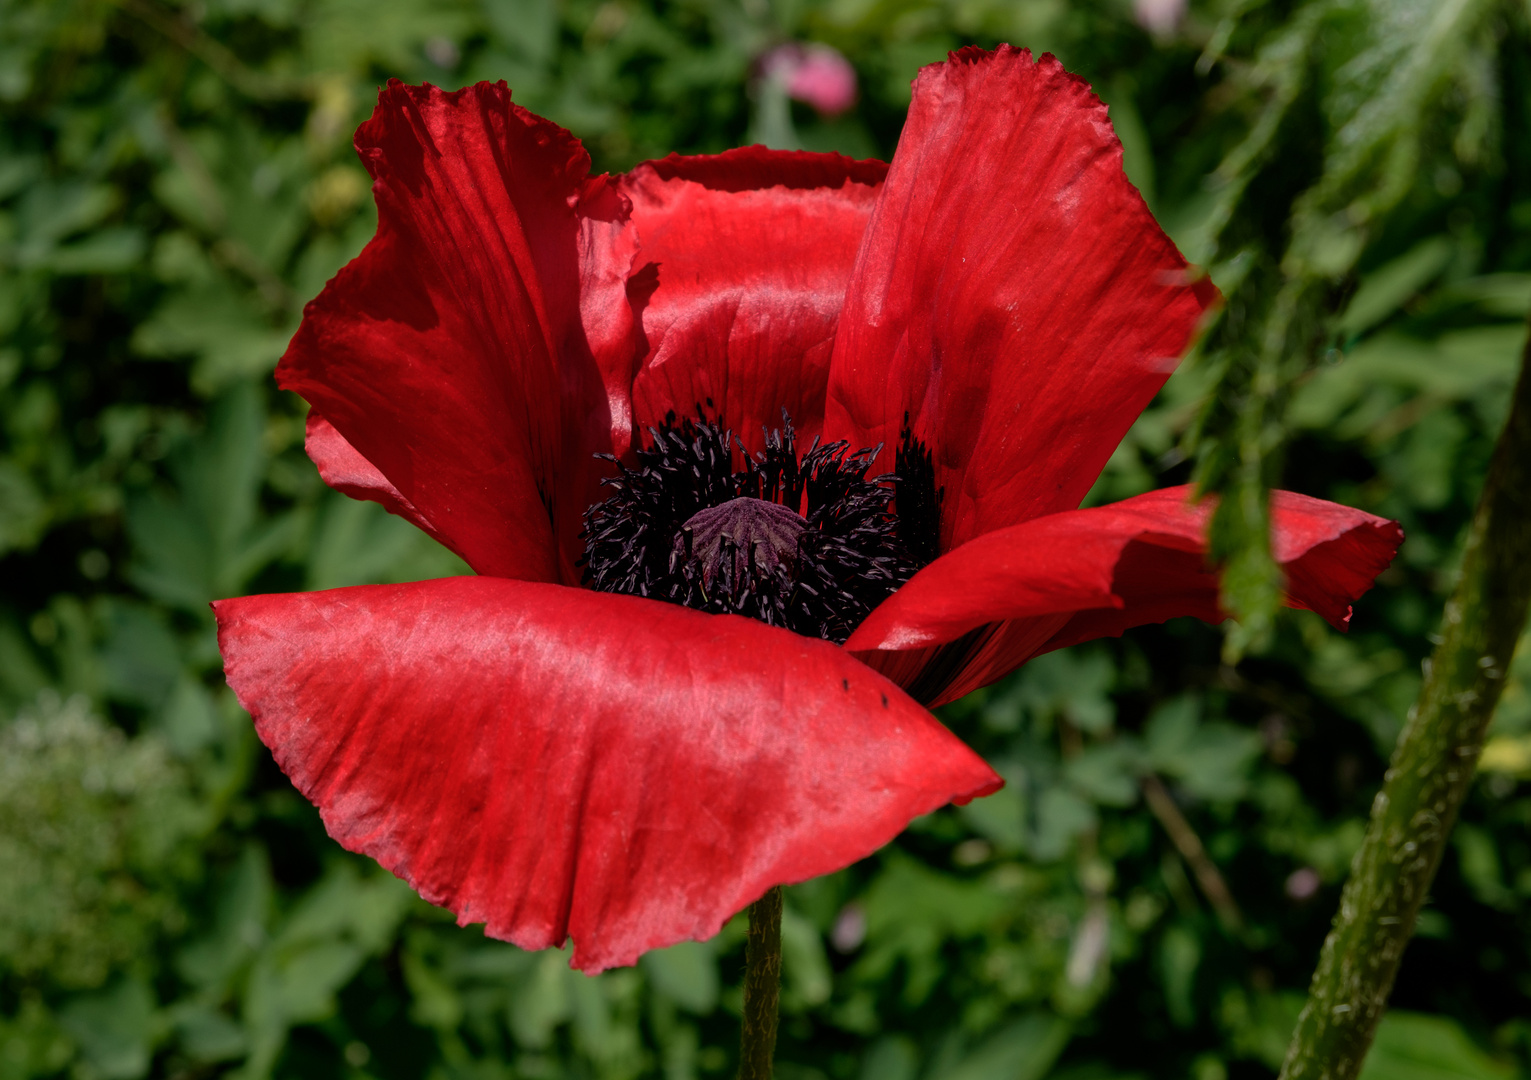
(176, 180)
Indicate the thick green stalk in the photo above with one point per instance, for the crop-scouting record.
(1431, 771)
(762, 987)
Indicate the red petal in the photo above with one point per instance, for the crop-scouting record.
(451, 353)
(342, 467)
(1331, 555)
(752, 250)
(1014, 295)
(608, 247)
(1070, 577)
(558, 762)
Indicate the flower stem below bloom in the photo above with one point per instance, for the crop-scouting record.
(762, 987)
(1431, 772)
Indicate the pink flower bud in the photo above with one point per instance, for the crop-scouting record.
(1159, 16)
(814, 74)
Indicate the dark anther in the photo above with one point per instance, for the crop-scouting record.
(805, 542)
(917, 501)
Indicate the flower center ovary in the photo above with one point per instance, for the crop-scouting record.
(741, 538)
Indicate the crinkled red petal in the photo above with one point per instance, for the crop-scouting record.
(1013, 295)
(1070, 577)
(556, 762)
(746, 256)
(452, 353)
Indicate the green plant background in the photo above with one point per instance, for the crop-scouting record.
(176, 180)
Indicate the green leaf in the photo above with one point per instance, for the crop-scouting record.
(297, 983)
(529, 27)
(434, 1002)
(1105, 773)
(110, 251)
(1179, 958)
(207, 1035)
(240, 916)
(1061, 816)
(1481, 867)
(24, 513)
(543, 1000)
(1072, 683)
(207, 540)
(1260, 1024)
(1390, 286)
(1211, 761)
(1001, 817)
(189, 719)
(1170, 729)
(687, 974)
(1456, 366)
(52, 212)
(18, 172)
(1414, 1046)
(1506, 296)
(892, 1057)
(32, 1043)
(349, 35)
(593, 1021)
(218, 326)
(22, 676)
(115, 1029)
(1025, 1050)
(358, 543)
(806, 978)
(140, 659)
(911, 911)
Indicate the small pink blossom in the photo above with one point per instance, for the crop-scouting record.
(1303, 883)
(1159, 16)
(850, 928)
(814, 74)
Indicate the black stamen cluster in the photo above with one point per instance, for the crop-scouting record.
(917, 498)
(686, 527)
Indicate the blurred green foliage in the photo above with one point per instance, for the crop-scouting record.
(1147, 895)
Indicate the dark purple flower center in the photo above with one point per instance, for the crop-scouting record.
(808, 543)
(743, 536)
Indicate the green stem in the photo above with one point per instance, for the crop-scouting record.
(1431, 771)
(762, 987)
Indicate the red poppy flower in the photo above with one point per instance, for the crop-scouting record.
(994, 309)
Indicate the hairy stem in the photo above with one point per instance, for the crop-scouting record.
(1431, 770)
(762, 987)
